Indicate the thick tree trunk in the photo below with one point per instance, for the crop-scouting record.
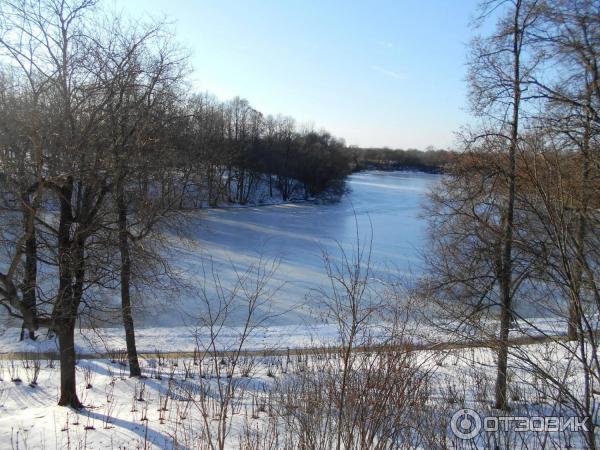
(66, 343)
(65, 307)
(134, 365)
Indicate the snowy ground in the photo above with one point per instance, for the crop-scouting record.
(164, 410)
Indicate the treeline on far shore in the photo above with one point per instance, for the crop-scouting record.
(430, 160)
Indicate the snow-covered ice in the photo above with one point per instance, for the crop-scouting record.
(296, 234)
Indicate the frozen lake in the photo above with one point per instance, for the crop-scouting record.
(389, 203)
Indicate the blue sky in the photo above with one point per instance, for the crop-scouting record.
(376, 73)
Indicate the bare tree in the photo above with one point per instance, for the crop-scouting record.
(142, 72)
(498, 70)
(568, 37)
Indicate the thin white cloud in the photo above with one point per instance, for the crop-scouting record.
(389, 73)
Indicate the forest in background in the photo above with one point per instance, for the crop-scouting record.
(429, 160)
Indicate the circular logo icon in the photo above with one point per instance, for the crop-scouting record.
(465, 424)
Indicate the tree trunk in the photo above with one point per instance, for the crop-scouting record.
(283, 185)
(574, 324)
(574, 321)
(240, 187)
(228, 184)
(134, 365)
(507, 267)
(501, 376)
(65, 306)
(66, 343)
(30, 275)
